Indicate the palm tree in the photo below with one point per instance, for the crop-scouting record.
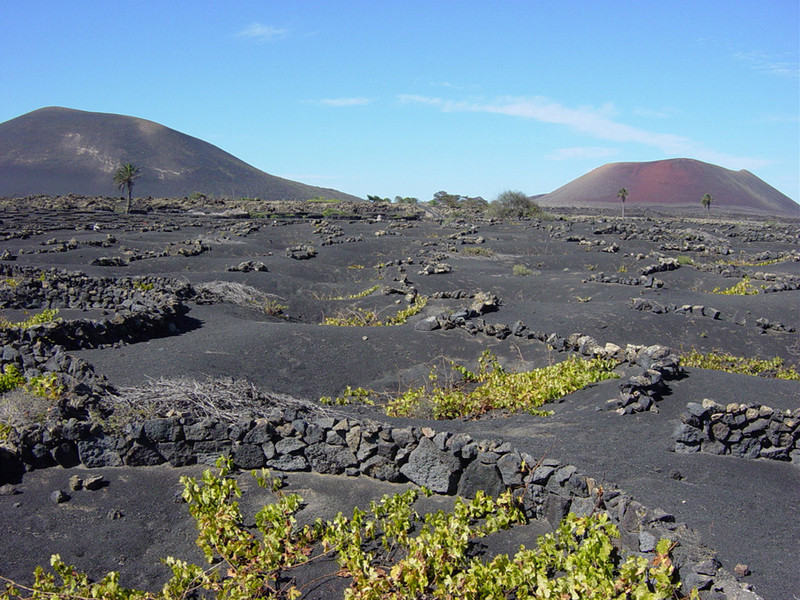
(706, 201)
(623, 193)
(125, 178)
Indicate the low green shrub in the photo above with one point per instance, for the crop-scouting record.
(357, 295)
(358, 395)
(25, 400)
(11, 378)
(743, 288)
(143, 286)
(521, 270)
(273, 308)
(359, 317)
(721, 361)
(48, 315)
(492, 388)
(477, 251)
(513, 204)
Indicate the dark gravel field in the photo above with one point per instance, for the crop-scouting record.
(642, 281)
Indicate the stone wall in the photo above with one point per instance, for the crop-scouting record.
(743, 430)
(292, 439)
(700, 310)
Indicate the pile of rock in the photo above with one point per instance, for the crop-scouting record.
(664, 264)
(249, 265)
(301, 252)
(696, 310)
(743, 430)
(647, 281)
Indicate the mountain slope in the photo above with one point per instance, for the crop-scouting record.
(674, 183)
(64, 151)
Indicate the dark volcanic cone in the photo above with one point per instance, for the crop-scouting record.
(60, 151)
(674, 183)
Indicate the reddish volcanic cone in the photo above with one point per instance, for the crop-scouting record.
(674, 183)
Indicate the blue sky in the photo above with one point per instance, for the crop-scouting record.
(408, 98)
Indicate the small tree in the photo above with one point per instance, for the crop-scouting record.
(623, 195)
(706, 201)
(124, 178)
(513, 204)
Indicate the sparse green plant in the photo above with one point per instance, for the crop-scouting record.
(353, 317)
(143, 286)
(359, 317)
(520, 270)
(11, 378)
(590, 267)
(743, 288)
(45, 386)
(358, 395)
(492, 388)
(623, 268)
(273, 308)
(26, 400)
(414, 308)
(722, 361)
(48, 315)
(388, 551)
(684, 260)
(744, 262)
(355, 266)
(357, 295)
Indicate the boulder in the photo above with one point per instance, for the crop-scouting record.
(433, 468)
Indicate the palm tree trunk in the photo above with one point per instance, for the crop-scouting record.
(128, 206)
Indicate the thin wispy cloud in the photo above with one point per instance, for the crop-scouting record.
(262, 33)
(598, 123)
(582, 152)
(649, 113)
(358, 101)
(763, 63)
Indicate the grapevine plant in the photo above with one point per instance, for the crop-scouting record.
(722, 361)
(387, 552)
(494, 388)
